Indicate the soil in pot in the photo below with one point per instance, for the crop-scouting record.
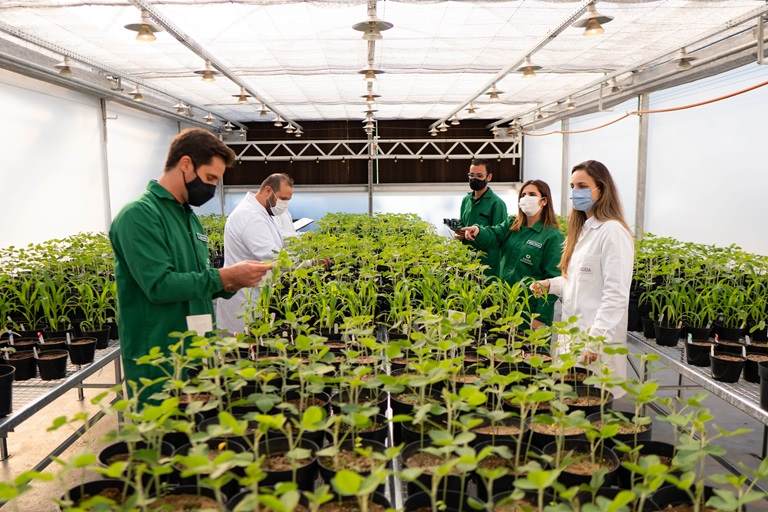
(185, 503)
(114, 490)
(629, 433)
(348, 458)
(751, 367)
(101, 335)
(697, 353)
(7, 373)
(52, 364)
(25, 364)
(82, 350)
(25, 344)
(281, 468)
(664, 451)
(53, 344)
(494, 461)
(455, 501)
(376, 431)
(541, 434)
(672, 499)
(581, 466)
(589, 399)
(726, 367)
(667, 336)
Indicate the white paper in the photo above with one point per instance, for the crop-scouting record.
(302, 223)
(201, 324)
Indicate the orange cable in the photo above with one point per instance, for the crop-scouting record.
(655, 111)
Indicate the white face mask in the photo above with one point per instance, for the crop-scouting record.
(530, 205)
(280, 207)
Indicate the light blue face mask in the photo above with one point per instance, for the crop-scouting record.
(581, 198)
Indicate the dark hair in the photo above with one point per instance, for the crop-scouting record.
(484, 163)
(607, 207)
(548, 217)
(275, 181)
(200, 146)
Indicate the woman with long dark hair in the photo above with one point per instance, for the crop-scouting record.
(530, 243)
(596, 266)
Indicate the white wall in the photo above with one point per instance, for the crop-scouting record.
(707, 167)
(542, 160)
(50, 163)
(137, 148)
(615, 146)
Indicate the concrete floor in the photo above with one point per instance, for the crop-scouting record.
(31, 442)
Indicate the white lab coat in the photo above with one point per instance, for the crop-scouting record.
(596, 289)
(285, 223)
(249, 234)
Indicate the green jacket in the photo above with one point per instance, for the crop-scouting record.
(531, 252)
(163, 275)
(488, 210)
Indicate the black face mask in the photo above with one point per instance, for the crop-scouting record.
(199, 192)
(477, 184)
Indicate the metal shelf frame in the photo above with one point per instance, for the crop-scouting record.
(31, 396)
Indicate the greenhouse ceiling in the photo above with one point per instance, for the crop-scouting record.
(303, 58)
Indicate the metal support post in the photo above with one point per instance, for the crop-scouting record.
(3, 448)
(119, 380)
(371, 154)
(565, 183)
(105, 163)
(761, 40)
(765, 441)
(642, 167)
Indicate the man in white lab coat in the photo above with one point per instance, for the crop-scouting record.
(252, 232)
(285, 223)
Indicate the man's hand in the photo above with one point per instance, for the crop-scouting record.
(589, 357)
(540, 288)
(470, 233)
(245, 274)
(537, 324)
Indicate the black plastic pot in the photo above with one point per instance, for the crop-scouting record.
(657, 448)
(730, 334)
(305, 475)
(497, 435)
(52, 364)
(634, 320)
(326, 466)
(101, 335)
(697, 353)
(25, 364)
(58, 334)
(729, 347)
(700, 333)
(7, 373)
(189, 490)
(120, 451)
(25, 344)
(447, 487)
(110, 488)
(751, 365)
(670, 496)
(527, 453)
(373, 398)
(763, 371)
(582, 447)
(455, 501)
(758, 335)
(378, 432)
(540, 439)
(593, 393)
(726, 370)
(667, 336)
(232, 487)
(503, 499)
(622, 416)
(649, 328)
(114, 334)
(53, 344)
(82, 350)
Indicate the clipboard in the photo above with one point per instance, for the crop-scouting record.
(302, 223)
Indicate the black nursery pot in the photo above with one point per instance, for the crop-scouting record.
(188, 490)
(101, 335)
(730, 334)
(657, 448)
(671, 496)
(25, 344)
(377, 399)
(377, 432)
(634, 320)
(763, 371)
(82, 350)
(700, 333)
(52, 364)
(569, 479)
(729, 347)
(232, 487)
(751, 365)
(758, 335)
(447, 485)
(119, 452)
(697, 353)
(727, 367)
(455, 501)
(667, 336)
(305, 474)
(649, 328)
(593, 394)
(626, 438)
(7, 373)
(116, 490)
(527, 453)
(25, 364)
(326, 466)
(52, 344)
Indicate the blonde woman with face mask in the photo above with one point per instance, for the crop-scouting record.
(530, 244)
(596, 266)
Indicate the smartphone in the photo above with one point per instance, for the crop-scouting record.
(454, 224)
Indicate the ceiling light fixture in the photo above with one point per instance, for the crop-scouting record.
(264, 112)
(228, 127)
(136, 94)
(209, 118)
(369, 74)
(63, 67)
(570, 104)
(370, 98)
(539, 115)
(442, 127)
(433, 131)
(243, 133)
(455, 120)
(290, 129)
(683, 59)
(278, 122)
(372, 28)
(208, 73)
(180, 107)
(145, 28)
(593, 22)
(528, 68)
(117, 83)
(615, 87)
(472, 108)
(495, 131)
(242, 98)
(298, 132)
(494, 93)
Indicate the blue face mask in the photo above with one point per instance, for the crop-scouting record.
(582, 199)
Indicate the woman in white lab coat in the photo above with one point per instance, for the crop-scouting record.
(596, 266)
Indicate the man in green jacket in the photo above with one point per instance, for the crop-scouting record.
(482, 207)
(161, 254)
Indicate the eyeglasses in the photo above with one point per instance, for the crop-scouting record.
(478, 176)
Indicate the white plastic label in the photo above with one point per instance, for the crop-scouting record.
(201, 324)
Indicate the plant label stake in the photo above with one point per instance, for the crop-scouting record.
(34, 351)
(69, 339)
(40, 338)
